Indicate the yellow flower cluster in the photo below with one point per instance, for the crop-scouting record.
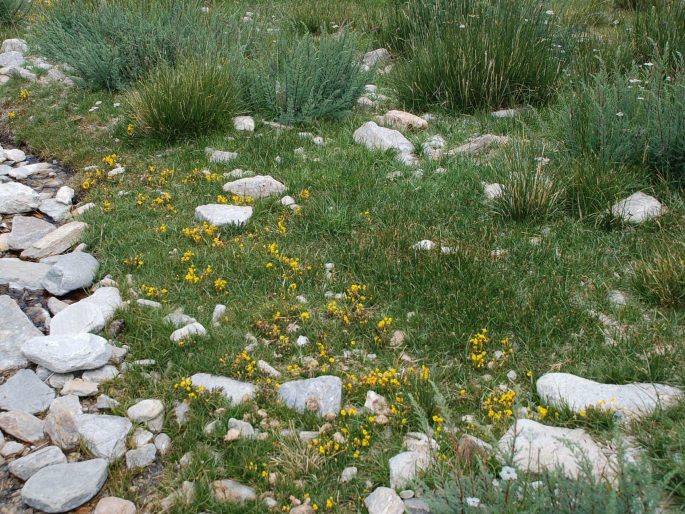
(235, 200)
(186, 386)
(93, 178)
(135, 262)
(206, 232)
(154, 292)
(480, 352)
(155, 178)
(24, 94)
(499, 404)
(198, 174)
(111, 159)
(244, 365)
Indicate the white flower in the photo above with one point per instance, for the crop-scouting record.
(508, 473)
(640, 97)
(620, 114)
(648, 64)
(473, 502)
(462, 26)
(512, 375)
(549, 13)
(537, 485)
(635, 81)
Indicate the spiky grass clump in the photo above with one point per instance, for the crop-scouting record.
(660, 278)
(658, 23)
(308, 80)
(12, 11)
(113, 43)
(467, 55)
(197, 95)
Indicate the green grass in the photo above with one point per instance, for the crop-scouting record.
(539, 288)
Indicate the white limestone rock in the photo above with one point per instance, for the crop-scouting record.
(405, 467)
(22, 274)
(244, 123)
(29, 465)
(17, 198)
(71, 272)
(104, 435)
(56, 242)
(67, 353)
(142, 457)
(26, 230)
(15, 329)
(230, 491)
(637, 208)
(26, 392)
(236, 392)
(380, 138)
(188, 332)
(384, 500)
(321, 394)
(402, 120)
(220, 215)
(257, 187)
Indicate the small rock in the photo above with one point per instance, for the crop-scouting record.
(236, 392)
(348, 474)
(384, 500)
(220, 215)
(244, 123)
(321, 394)
(26, 230)
(104, 435)
(28, 466)
(26, 392)
(56, 242)
(187, 332)
(637, 208)
(402, 120)
(162, 443)
(257, 187)
(66, 353)
(71, 272)
(17, 198)
(114, 505)
(61, 422)
(22, 425)
(141, 457)
(230, 491)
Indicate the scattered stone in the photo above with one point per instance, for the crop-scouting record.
(12, 59)
(104, 402)
(14, 45)
(114, 505)
(22, 274)
(233, 434)
(637, 208)
(245, 429)
(148, 303)
(470, 447)
(56, 242)
(321, 394)
(384, 500)
(71, 272)
(181, 412)
(578, 394)
(78, 318)
(218, 314)
(268, 369)
(425, 244)
(141, 437)
(479, 144)
(236, 392)
(537, 448)
(141, 457)
(65, 195)
(187, 332)
(162, 443)
(185, 495)
(25, 391)
(220, 215)
(376, 404)
(100, 375)
(28, 170)
(402, 121)
(15, 155)
(80, 387)
(420, 442)
(61, 422)
(381, 138)
(16, 198)
(375, 57)
(218, 156)
(56, 305)
(11, 449)
(104, 435)
(405, 466)
(64, 487)
(26, 230)
(434, 148)
(493, 191)
(28, 466)
(348, 474)
(257, 187)
(230, 491)
(22, 425)
(150, 412)
(506, 113)
(66, 353)
(178, 319)
(416, 506)
(244, 123)
(15, 329)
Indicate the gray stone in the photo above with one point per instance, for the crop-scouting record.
(55, 209)
(220, 156)
(537, 448)
(11, 449)
(28, 466)
(416, 506)
(104, 435)
(15, 329)
(28, 170)
(65, 195)
(637, 208)
(104, 402)
(12, 59)
(25, 391)
(141, 457)
(230, 491)
(66, 353)
(244, 123)
(80, 317)
(61, 422)
(380, 138)
(374, 57)
(22, 425)
(577, 393)
(150, 412)
(15, 155)
(188, 332)
(56, 305)
(22, 274)
(71, 272)
(479, 144)
(100, 375)
(57, 241)
(114, 505)
(236, 392)
(107, 299)
(402, 120)
(178, 319)
(64, 487)
(26, 230)
(257, 187)
(16, 198)
(405, 466)
(384, 500)
(348, 474)
(162, 443)
(493, 191)
(80, 387)
(320, 394)
(243, 427)
(14, 45)
(220, 215)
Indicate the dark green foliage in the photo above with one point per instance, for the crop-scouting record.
(659, 24)
(12, 11)
(660, 277)
(112, 43)
(469, 54)
(308, 80)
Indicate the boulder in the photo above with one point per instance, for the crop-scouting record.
(66, 353)
(26, 230)
(71, 272)
(16, 198)
(637, 208)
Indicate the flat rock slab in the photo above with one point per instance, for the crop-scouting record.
(479, 144)
(141, 457)
(15, 329)
(321, 394)
(16, 198)
(637, 208)
(536, 448)
(24, 172)
(257, 187)
(577, 393)
(57, 241)
(28, 466)
(22, 425)
(220, 215)
(104, 435)
(57, 210)
(67, 353)
(26, 230)
(380, 138)
(71, 272)
(26, 392)
(402, 120)
(61, 422)
(80, 317)
(63, 487)
(26, 275)
(235, 391)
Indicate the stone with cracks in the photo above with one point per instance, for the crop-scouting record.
(26, 230)
(15, 329)
(25, 391)
(57, 241)
(28, 466)
(67, 353)
(61, 422)
(381, 138)
(104, 435)
(26, 171)
(384, 500)
(187, 332)
(16, 198)
(402, 120)
(536, 448)
(378, 56)
(236, 392)
(71, 272)
(11, 59)
(63, 487)
(22, 274)
(257, 187)
(22, 425)
(220, 215)
(321, 394)
(577, 393)
(79, 387)
(230, 491)
(637, 208)
(142, 457)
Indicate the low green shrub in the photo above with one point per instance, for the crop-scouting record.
(313, 16)
(307, 79)
(660, 277)
(634, 119)
(194, 96)
(113, 43)
(465, 55)
(12, 11)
